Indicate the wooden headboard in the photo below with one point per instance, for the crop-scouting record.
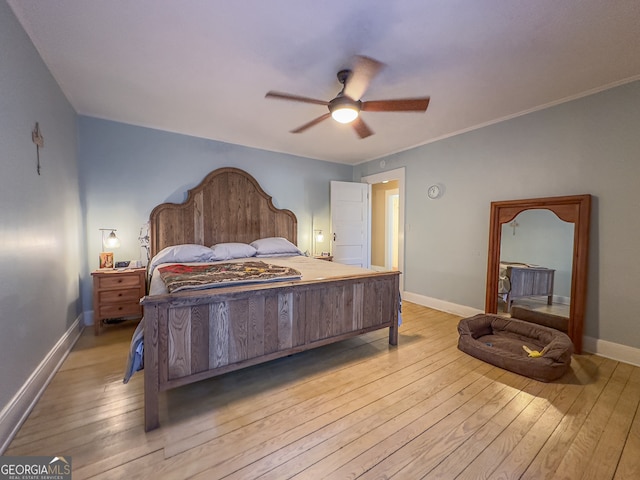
(227, 206)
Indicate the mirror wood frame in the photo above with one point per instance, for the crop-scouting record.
(575, 209)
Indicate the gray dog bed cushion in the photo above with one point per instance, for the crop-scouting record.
(500, 340)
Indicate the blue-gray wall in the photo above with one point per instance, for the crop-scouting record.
(590, 145)
(126, 170)
(97, 173)
(541, 238)
(40, 218)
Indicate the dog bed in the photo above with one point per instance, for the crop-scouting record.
(541, 318)
(500, 341)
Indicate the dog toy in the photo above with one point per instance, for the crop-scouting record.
(535, 353)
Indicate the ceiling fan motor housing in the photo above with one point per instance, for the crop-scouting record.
(343, 76)
(342, 101)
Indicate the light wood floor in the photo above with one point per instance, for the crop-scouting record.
(536, 303)
(357, 409)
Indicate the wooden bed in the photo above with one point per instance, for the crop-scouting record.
(528, 281)
(191, 336)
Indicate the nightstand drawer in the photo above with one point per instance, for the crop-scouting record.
(124, 310)
(118, 281)
(117, 294)
(131, 295)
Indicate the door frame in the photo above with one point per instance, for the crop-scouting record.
(399, 175)
(389, 217)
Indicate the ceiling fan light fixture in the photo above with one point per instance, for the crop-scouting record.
(345, 114)
(343, 109)
(346, 106)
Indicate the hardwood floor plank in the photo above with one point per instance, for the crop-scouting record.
(629, 464)
(38, 430)
(343, 423)
(552, 453)
(426, 450)
(274, 426)
(519, 459)
(454, 463)
(355, 409)
(510, 436)
(604, 461)
(268, 403)
(401, 429)
(576, 457)
(267, 426)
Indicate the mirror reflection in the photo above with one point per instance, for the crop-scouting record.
(575, 209)
(536, 253)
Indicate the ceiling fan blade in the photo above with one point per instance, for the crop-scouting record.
(363, 71)
(310, 124)
(295, 98)
(361, 128)
(398, 105)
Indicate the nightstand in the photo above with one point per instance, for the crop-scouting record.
(327, 258)
(117, 294)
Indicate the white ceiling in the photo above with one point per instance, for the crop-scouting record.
(202, 67)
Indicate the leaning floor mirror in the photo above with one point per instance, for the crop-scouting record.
(574, 209)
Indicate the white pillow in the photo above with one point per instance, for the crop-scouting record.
(228, 251)
(275, 247)
(181, 254)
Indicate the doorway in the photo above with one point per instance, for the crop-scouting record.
(384, 225)
(387, 221)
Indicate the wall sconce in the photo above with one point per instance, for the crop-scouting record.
(110, 241)
(318, 237)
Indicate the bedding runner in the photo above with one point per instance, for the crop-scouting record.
(180, 277)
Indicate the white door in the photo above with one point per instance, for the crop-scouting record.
(350, 223)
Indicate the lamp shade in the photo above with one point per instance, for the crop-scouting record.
(344, 109)
(345, 114)
(111, 240)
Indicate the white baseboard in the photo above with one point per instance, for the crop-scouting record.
(562, 300)
(17, 410)
(614, 351)
(442, 305)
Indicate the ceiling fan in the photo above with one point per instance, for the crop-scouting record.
(347, 105)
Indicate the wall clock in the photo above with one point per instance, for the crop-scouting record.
(434, 191)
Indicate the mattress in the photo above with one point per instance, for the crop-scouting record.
(310, 268)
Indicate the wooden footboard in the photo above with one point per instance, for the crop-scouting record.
(529, 282)
(191, 336)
